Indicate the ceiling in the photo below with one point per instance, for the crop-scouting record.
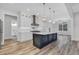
(59, 8)
(61, 12)
(15, 6)
(23, 6)
(75, 7)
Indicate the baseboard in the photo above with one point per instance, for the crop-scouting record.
(23, 40)
(75, 40)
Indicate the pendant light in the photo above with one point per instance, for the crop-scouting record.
(44, 18)
(44, 9)
(50, 20)
(54, 17)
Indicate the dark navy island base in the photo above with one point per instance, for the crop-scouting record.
(40, 40)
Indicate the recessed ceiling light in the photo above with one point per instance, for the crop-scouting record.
(37, 14)
(14, 24)
(50, 20)
(34, 9)
(53, 22)
(43, 19)
(28, 9)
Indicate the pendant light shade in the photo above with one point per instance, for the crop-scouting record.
(44, 17)
(50, 20)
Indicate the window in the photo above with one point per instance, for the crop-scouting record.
(63, 27)
(60, 27)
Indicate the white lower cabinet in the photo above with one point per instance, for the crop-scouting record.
(24, 36)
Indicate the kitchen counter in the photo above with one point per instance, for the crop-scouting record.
(42, 39)
(43, 33)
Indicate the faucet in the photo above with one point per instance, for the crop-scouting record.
(49, 29)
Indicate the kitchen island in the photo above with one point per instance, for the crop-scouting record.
(42, 39)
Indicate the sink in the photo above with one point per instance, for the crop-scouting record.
(35, 31)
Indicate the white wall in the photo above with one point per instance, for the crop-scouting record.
(7, 26)
(76, 26)
(2, 18)
(14, 27)
(71, 13)
(73, 10)
(24, 27)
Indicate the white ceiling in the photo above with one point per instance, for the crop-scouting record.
(75, 7)
(23, 6)
(17, 6)
(59, 8)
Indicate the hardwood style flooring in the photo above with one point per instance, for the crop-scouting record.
(26, 48)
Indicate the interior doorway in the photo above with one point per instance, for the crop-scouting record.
(10, 28)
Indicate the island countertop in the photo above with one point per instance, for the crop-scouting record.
(43, 33)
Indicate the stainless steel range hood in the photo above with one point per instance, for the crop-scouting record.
(34, 21)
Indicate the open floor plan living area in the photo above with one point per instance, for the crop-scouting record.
(39, 28)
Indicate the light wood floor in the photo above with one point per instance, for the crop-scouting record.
(26, 48)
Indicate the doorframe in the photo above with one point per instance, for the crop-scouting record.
(4, 25)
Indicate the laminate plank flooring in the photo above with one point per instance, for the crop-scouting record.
(12, 47)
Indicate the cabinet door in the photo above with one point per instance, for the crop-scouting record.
(54, 37)
(51, 38)
(37, 41)
(44, 40)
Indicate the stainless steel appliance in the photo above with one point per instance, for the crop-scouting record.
(34, 21)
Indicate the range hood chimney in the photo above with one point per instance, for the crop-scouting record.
(34, 21)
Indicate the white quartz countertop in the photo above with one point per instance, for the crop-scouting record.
(44, 33)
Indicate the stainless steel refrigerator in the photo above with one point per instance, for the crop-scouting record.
(1, 32)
